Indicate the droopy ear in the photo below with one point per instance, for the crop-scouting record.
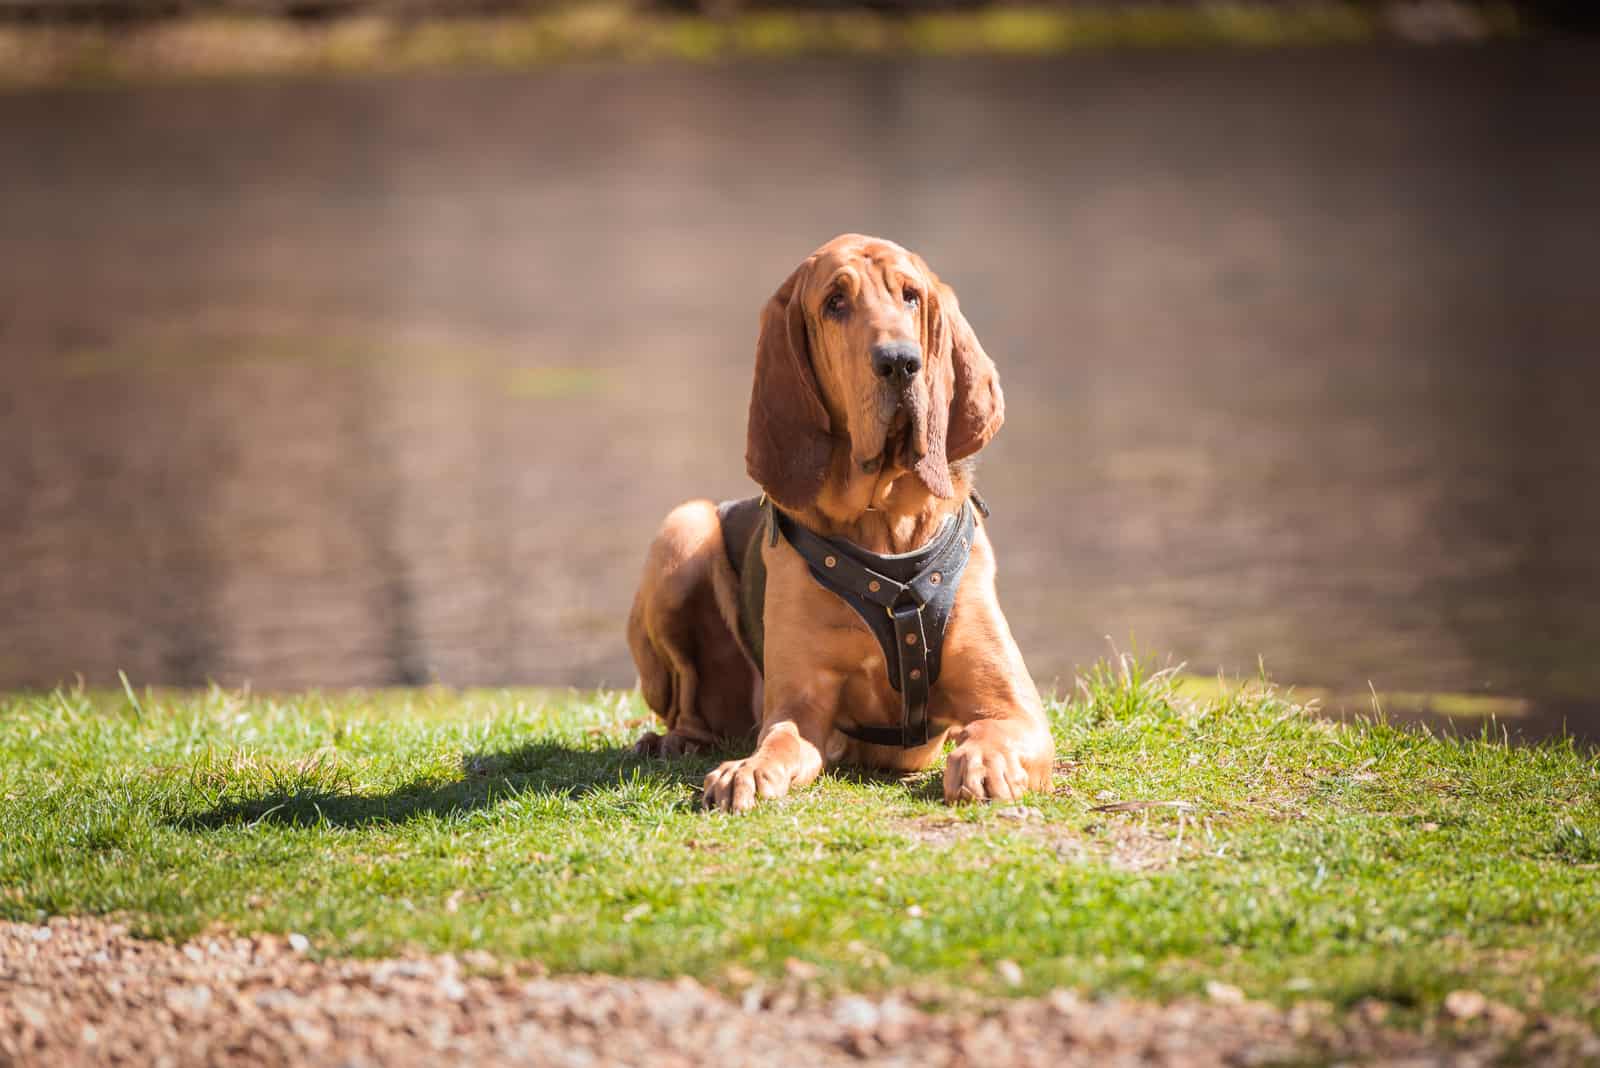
(787, 446)
(967, 406)
(977, 407)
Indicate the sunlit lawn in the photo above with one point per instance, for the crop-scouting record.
(1247, 842)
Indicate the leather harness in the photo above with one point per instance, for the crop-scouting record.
(905, 598)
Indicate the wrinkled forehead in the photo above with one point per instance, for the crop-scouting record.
(858, 265)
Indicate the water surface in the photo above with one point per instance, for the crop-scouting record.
(388, 381)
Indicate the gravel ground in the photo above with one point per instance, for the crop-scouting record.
(84, 991)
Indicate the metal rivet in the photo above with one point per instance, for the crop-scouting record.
(829, 561)
(911, 639)
(873, 586)
(936, 578)
(916, 673)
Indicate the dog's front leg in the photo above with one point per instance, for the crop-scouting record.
(788, 755)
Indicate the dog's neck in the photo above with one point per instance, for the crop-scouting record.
(886, 511)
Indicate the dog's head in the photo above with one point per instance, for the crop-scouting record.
(863, 348)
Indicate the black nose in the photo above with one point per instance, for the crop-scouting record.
(896, 359)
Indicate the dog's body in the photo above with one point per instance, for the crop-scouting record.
(870, 393)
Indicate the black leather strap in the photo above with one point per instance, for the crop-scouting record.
(905, 599)
(743, 523)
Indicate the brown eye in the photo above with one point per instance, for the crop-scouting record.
(911, 297)
(835, 306)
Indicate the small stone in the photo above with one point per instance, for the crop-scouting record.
(861, 1044)
(1505, 1020)
(277, 1000)
(1066, 1002)
(299, 942)
(1371, 1011)
(1010, 972)
(33, 1007)
(189, 999)
(802, 970)
(1224, 993)
(1465, 1004)
(855, 1013)
(452, 988)
(41, 934)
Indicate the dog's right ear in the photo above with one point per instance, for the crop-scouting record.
(787, 444)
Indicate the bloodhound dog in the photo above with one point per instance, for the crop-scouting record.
(871, 396)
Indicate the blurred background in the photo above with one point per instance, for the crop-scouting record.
(362, 344)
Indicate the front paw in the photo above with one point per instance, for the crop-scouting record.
(989, 765)
(734, 786)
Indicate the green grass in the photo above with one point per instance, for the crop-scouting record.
(1308, 859)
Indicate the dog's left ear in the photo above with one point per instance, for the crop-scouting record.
(967, 405)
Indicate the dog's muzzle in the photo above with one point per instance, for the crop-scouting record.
(897, 361)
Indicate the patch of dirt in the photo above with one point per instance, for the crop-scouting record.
(1124, 843)
(83, 991)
